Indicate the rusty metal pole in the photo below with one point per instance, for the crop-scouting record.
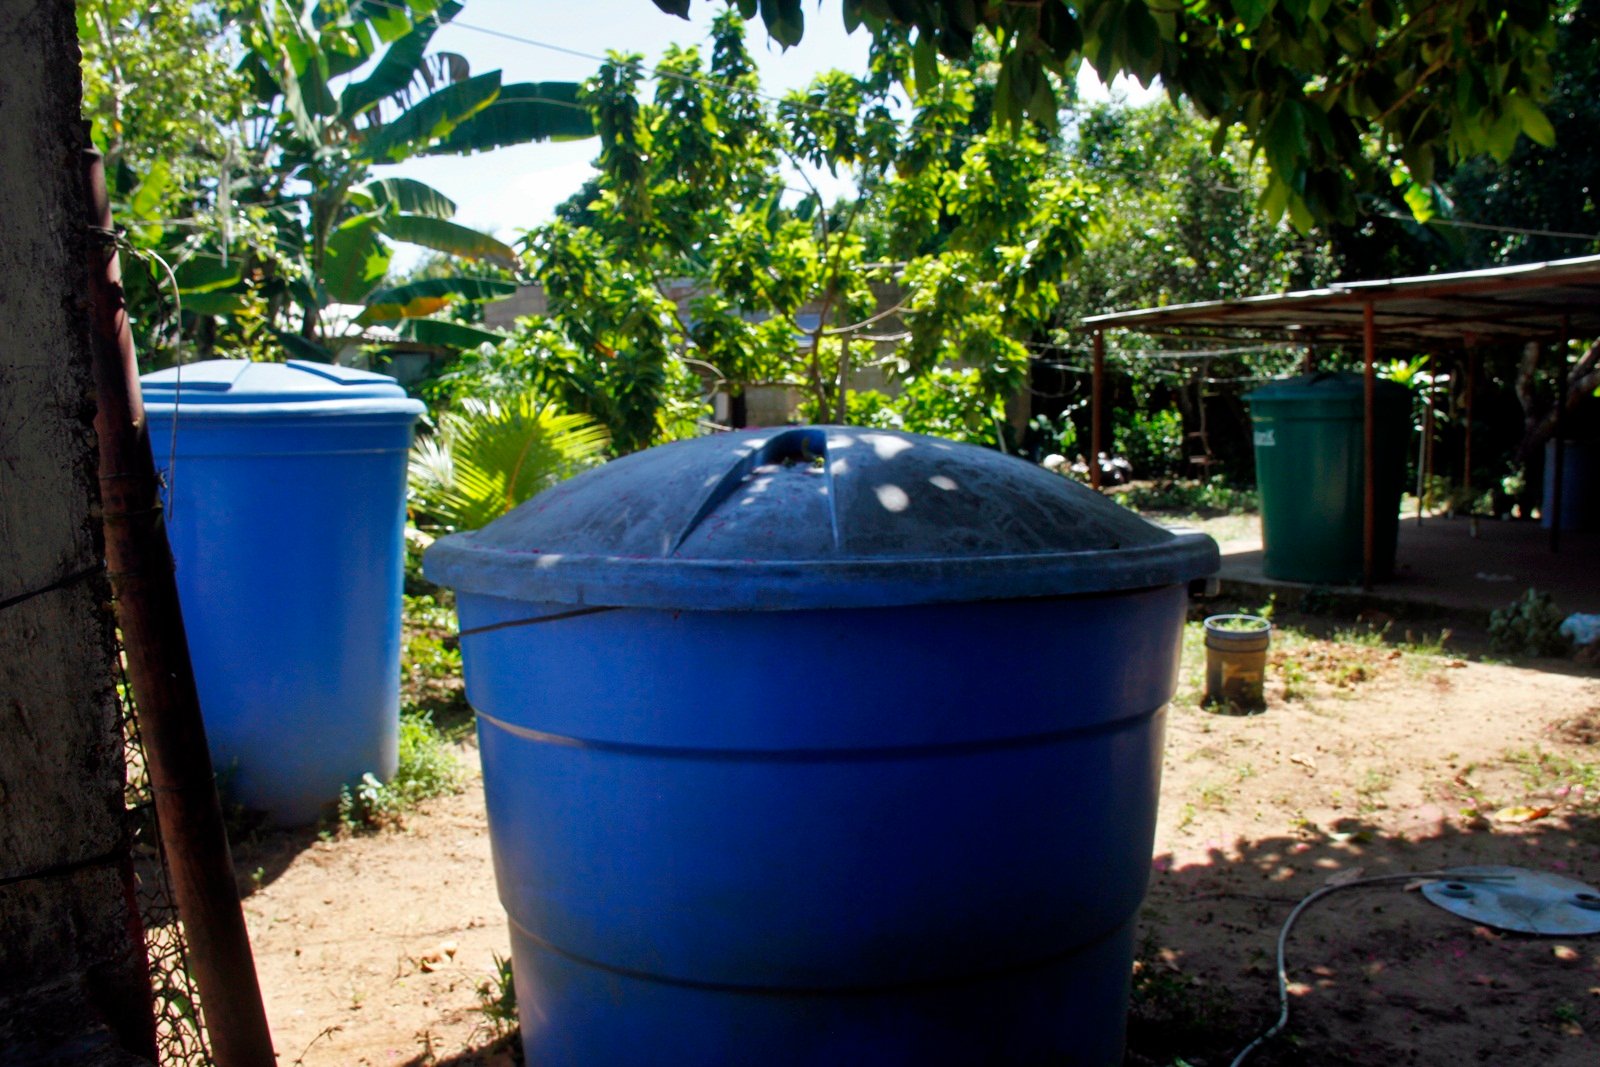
(1097, 383)
(1433, 427)
(1561, 446)
(1369, 492)
(178, 762)
(1466, 448)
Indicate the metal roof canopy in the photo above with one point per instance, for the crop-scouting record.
(1501, 304)
(1532, 302)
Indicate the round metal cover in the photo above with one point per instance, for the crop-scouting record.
(1515, 898)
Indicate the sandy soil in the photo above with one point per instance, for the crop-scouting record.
(1369, 760)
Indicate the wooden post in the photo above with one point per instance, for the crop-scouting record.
(139, 561)
(1561, 446)
(1369, 498)
(1097, 403)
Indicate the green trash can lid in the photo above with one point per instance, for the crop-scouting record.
(1334, 386)
(815, 517)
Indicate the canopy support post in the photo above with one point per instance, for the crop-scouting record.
(1097, 405)
(1425, 445)
(1466, 447)
(1561, 403)
(1369, 344)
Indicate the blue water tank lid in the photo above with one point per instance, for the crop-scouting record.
(814, 517)
(239, 387)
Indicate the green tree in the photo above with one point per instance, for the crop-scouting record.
(1551, 188)
(161, 97)
(1178, 224)
(1341, 97)
(292, 220)
(691, 199)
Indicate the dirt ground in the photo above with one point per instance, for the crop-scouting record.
(1369, 760)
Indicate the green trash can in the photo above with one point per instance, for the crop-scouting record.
(1310, 470)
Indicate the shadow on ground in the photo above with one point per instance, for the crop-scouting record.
(502, 1052)
(1379, 975)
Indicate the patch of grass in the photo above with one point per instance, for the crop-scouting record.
(1192, 674)
(1361, 636)
(1214, 795)
(428, 768)
(1296, 682)
(1548, 773)
(430, 665)
(1213, 496)
(1424, 645)
(1370, 790)
(1464, 789)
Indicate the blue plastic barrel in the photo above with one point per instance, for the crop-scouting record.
(821, 746)
(287, 516)
(1580, 485)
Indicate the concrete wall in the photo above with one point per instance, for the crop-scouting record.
(73, 988)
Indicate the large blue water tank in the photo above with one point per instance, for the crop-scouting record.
(821, 746)
(287, 516)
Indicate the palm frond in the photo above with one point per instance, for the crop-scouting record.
(488, 456)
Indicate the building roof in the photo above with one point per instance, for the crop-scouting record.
(1506, 304)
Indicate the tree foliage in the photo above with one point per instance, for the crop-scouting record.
(160, 96)
(691, 249)
(1178, 224)
(1341, 97)
(280, 212)
(1553, 188)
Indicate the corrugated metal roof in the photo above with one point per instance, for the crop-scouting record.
(1499, 304)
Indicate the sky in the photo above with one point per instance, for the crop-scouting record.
(513, 189)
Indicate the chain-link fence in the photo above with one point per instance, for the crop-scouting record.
(180, 1031)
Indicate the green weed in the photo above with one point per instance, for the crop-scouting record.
(497, 998)
(1296, 682)
(1214, 496)
(428, 768)
(1424, 645)
(1549, 773)
(430, 672)
(1369, 791)
(1361, 636)
(1171, 1012)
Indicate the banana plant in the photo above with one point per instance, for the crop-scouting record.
(342, 87)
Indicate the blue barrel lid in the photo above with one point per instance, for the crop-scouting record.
(240, 388)
(814, 517)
